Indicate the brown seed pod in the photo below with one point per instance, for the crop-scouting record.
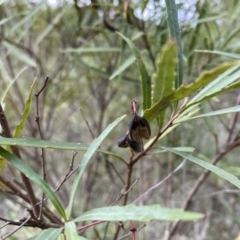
(139, 128)
(125, 142)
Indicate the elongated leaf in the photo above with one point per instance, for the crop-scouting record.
(21, 55)
(214, 85)
(103, 73)
(71, 231)
(164, 77)
(184, 91)
(22, 167)
(4, 20)
(227, 54)
(123, 67)
(48, 234)
(138, 213)
(90, 50)
(32, 13)
(220, 172)
(181, 149)
(87, 156)
(213, 113)
(50, 27)
(27, 108)
(10, 83)
(175, 34)
(145, 78)
(23, 120)
(38, 143)
(220, 85)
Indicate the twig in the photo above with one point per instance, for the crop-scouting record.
(85, 120)
(8, 235)
(126, 192)
(17, 192)
(136, 230)
(115, 170)
(80, 229)
(233, 122)
(160, 183)
(69, 171)
(41, 135)
(4, 225)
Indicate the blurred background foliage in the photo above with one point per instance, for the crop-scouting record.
(75, 44)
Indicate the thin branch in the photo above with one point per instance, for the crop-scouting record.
(137, 230)
(81, 229)
(8, 235)
(233, 122)
(41, 135)
(69, 171)
(47, 213)
(161, 182)
(121, 194)
(4, 225)
(85, 120)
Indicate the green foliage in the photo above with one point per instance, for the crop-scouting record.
(91, 69)
(20, 126)
(138, 213)
(26, 111)
(145, 78)
(163, 79)
(220, 172)
(175, 34)
(184, 91)
(71, 231)
(48, 234)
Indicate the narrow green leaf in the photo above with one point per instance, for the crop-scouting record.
(227, 54)
(90, 50)
(181, 149)
(26, 111)
(10, 82)
(22, 167)
(163, 79)
(4, 20)
(123, 67)
(4, 73)
(138, 213)
(184, 91)
(71, 231)
(87, 156)
(145, 78)
(48, 234)
(175, 34)
(50, 27)
(216, 87)
(21, 55)
(24, 117)
(103, 73)
(213, 113)
(220, 172)
(32, 13)
(39, 143)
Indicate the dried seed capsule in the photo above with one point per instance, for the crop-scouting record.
(126, 141)
(139, 128)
